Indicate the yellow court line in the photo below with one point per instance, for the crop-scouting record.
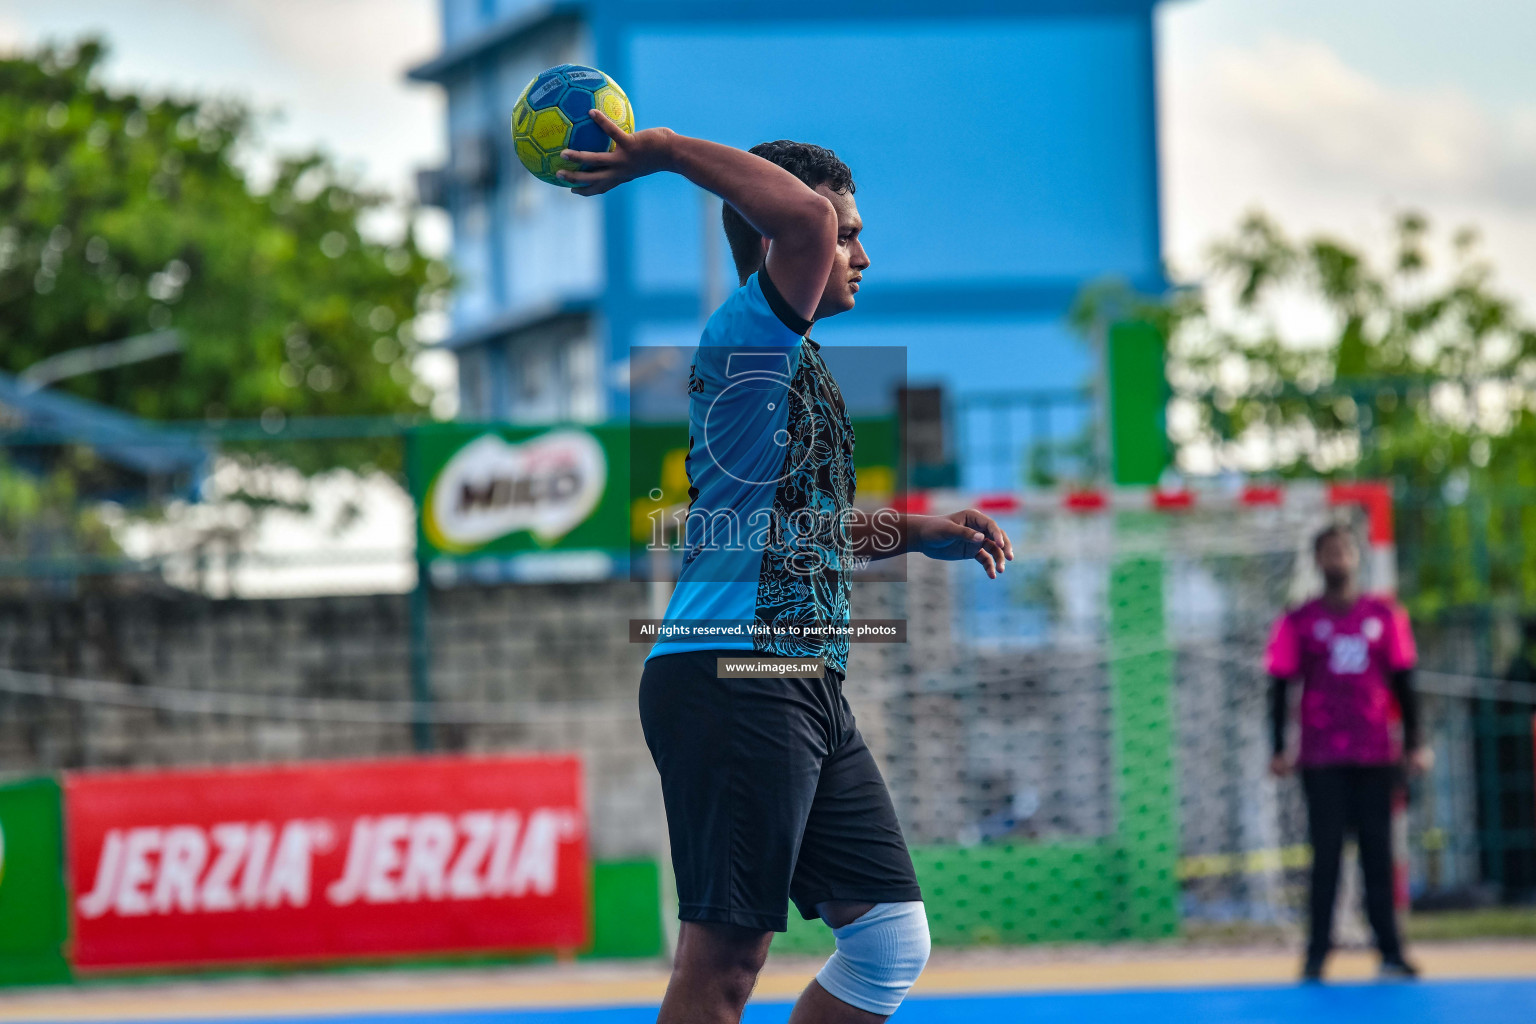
(599, 985)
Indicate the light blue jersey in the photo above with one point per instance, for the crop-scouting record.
(770, 469)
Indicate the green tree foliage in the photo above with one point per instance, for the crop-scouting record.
(122, 213)
(1306, 358)
(1411, 370)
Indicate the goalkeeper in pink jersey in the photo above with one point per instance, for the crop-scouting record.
(1353, 654)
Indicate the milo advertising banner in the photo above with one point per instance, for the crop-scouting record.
(499, 502)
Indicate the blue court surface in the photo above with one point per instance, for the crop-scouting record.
(1443, 1002)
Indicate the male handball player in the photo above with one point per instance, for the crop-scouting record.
(770, 792)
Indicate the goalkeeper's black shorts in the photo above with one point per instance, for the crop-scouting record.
(771, 794)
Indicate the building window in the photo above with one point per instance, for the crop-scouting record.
(474, 383)
(583, 379)
(553, 372)
(535, 371)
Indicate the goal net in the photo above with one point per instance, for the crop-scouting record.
(1078, 750)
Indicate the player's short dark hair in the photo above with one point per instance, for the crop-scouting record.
(1331, 530)
(814, 165)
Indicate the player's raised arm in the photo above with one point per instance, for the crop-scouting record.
(799, 223)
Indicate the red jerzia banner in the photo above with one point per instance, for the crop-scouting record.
(326, 860)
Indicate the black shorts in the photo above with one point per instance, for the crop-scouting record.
(771, 795)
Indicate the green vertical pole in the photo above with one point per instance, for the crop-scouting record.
(32, 894)
(1141, 694)
(1138, 400)
(1146, 849)
(420, 611)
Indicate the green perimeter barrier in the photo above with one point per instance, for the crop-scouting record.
(1013, 894)
(626, 909)
(32, 925)
(1008, 894)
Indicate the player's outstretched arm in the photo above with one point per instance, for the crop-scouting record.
(963, 535)
(799, 223)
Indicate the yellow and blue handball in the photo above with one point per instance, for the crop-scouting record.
(552, 114)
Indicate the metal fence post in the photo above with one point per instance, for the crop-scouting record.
(420, 612)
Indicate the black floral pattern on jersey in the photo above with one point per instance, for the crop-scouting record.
(695, 387)
(804, 576)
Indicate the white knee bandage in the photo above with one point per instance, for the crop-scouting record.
(878, 957)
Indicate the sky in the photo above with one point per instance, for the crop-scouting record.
(325, 74)
(1330, 116)
(1333, 116)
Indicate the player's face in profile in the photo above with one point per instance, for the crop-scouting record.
(851, 260)
(1337, 559)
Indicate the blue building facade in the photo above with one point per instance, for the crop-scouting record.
(1005, 153)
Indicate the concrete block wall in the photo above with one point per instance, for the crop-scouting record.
(543, 668)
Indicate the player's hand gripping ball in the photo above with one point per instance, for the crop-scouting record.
(551, 115)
